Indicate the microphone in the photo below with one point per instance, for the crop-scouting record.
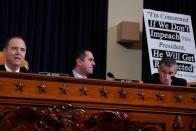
(111, 75)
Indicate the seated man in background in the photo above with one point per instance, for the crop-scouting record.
(84, 64)
(166, 73)
(14, 52)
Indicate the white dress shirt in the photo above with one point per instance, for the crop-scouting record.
(8, 69)
(78, 75)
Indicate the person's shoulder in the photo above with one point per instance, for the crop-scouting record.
(154, 79)
(179, 81)
(70, 74)
(24, 70)
(155, 75)
(2, 68)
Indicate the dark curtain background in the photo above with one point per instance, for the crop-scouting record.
(177, 6)
(54, 29)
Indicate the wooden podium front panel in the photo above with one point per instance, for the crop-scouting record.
(134, 105)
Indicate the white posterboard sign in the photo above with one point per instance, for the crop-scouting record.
(171, 35)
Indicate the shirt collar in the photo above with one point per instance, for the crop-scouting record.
(78, 75)
(8, 69)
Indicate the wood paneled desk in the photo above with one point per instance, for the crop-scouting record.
(33, 101)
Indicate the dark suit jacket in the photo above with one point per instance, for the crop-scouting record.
(22, 69)
(175, 81)
(70, 74)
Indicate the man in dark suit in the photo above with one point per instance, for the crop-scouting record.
(84, 60)
(166, 73)
(14, 51)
